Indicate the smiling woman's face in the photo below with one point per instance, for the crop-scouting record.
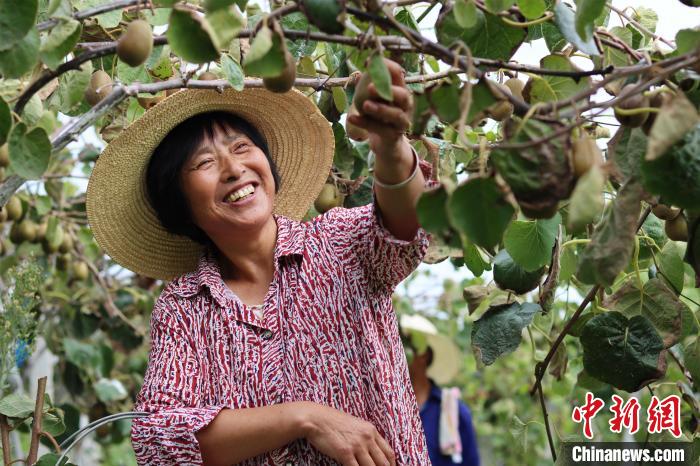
(228, 183)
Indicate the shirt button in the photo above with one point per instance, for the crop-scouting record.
(267, 334)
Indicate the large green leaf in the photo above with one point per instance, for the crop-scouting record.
(16, 19)
(5, 121)
(496, 6)
(432, 211)
(381, 78)
(266, 55)
(232, 72)
(109, 390)
(626, 353)
(498, 331)
(612, 243)
(71, 90)
(587, 11)
(17, 405)
(687, 40)
(509, 275)
(479, 210)
(60, 42)
(490, 37)
(21, 58)
(188, 36)
(565, 19)
(30, 151)
(530, 242)
(473, 258)
(300, 47)
(223, 26)
(671, 265)
(691, 356)
(553, 88)
(675, 118)
(532, 9)
(626, 150)
(674, 175)
(655, 301)
(466, 13)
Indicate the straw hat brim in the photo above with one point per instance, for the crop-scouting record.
(447, 358)
(122, 220)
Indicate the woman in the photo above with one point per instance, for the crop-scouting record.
(275, 343)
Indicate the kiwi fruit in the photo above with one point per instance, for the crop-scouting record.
(361, 92)
(630, 103)
(41, 231)
(63, 262)
(149, 102)
(25, 230)
(665, 212)
(4, 156)
(327, 107)
(502, 109)
(656, 101)
(585, 154)
(67, 244)
(14, 208)
(547, 211)
(285, 80)
(136, 43)
(80, 270)
(48, 247)
(328, 198)
(100, 86)
(327, 15)
(355, 132)
(677, 229)
(3, 214)
(207, 76)
(516, 87)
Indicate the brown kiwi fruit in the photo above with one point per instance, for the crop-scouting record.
(207, 76)
(355, 132)
(361, 92)
(585, 154)
(4, 155)
(630, 103)
(665, 212)
(136, 43)
(100, 86)
(3, 214)
(48, 247)
(516, 87)
(542, 213)
(14, 208)
(502, 109)
(67, 244)
(41, 231)
(285, 81)
(677, 229)
(27, 230)
(328, 198)
(80, 270)
(63, 262)
(656, 101)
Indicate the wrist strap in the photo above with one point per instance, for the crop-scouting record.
(370, 157)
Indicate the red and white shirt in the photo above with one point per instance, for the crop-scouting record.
(329, 334)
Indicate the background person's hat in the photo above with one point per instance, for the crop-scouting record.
(123, 222)
(447, 358)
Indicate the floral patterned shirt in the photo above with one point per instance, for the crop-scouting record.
(328, 334)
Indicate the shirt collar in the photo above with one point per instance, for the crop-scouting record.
(290, 242)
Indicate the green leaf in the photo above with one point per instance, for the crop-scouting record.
(671, 265)
(17, 405)
(691, 356)
(82, 355)
(587, 200)
(626, 353)
(60, 41)
(5, 121)
(54, 232)
(479, 210)
(466, 13)
(565, 19)
(51, 459)
(498, 331)
(52, 422)
(381, 78)
(532, 9)
(674, 119)
(687, 40)
(266, 55)
(567, 264)
(42, 205)
(509, 275)
(587, 11)
(626, 150)
(655, 301)
(612, 242)
(432, 211)
(490, 37)
(553, 88)
(109, 390)
(340, 99)
(530, 242)
(473, 258)
(674, 176)
(20, 58)
(29, 151)
(232, 72)
(16, 19)
(223, 26)
(188, 37)
(71, 90)
(300, 47)
(496, 6)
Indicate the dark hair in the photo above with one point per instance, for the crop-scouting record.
(429, 350)
(163, 183)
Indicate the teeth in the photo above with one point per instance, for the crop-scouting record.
(241, 193)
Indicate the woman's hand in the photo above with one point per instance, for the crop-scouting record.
(386, 122)
(350, 440)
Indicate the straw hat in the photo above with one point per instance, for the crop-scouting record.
(447, 358)
(122, 220)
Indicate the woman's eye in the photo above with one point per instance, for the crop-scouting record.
(242, 145)
(203, 162)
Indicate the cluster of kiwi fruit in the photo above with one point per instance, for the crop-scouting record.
(4, 159)
(675, 224)
(24, 229)
(637, 103)
(329, 197)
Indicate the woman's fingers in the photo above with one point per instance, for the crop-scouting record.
(377, 127)
(364, 459)
(386, 449)
(402, 96)
(386, 114)
(378, 455)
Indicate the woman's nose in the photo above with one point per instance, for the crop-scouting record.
(231, 166)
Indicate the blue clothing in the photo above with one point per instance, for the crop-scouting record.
(430, 415)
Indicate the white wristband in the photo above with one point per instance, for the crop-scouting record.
(403, 183)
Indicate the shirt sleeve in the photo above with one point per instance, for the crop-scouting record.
(470, 451)
(171, 393)
(359, 234)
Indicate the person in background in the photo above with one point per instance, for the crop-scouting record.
(447, 421)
